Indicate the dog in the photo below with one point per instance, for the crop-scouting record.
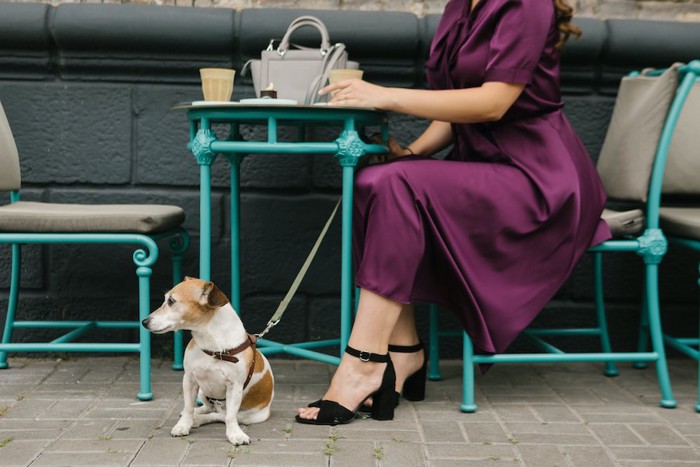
(223, 368)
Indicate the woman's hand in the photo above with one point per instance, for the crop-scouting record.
(357, 93)
(395, 150)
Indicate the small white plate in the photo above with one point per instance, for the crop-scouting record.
(214, 103)
(268, 101)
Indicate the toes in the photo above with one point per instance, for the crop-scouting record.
(309, 413)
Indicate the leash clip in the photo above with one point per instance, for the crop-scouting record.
(270, 324)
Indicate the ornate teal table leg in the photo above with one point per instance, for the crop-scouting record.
(468, 405)
(178, 245)
(434, 344)
(653, 248)
(205, 157)
(350, 149)
(235, 162)
(11, 302)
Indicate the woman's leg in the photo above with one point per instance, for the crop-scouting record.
(405, 334)
(354, 379)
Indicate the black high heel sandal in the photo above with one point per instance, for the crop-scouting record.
(414, 386)
(383, 399)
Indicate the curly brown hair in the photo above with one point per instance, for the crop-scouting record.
(564, 14)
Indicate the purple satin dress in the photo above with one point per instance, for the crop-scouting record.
(494, 230)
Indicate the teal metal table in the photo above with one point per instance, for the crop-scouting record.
(348, 148)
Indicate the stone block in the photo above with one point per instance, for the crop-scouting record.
(26, 41)
(161, 452)
(117, 42)
(590, 116)
(73, 133)
(275, 244)
(31, 267)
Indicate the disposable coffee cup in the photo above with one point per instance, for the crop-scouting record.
(217, 83)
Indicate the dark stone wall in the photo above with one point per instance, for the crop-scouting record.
(88, 90)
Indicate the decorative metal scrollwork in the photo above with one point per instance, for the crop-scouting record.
(200, 147)
(652, 246)
(350, 148)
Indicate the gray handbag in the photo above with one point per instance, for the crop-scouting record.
(296, 72)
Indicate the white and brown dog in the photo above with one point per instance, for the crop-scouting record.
(223, 368)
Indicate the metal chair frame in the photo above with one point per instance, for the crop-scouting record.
(689, 346)
(144, 258)
(651, 246)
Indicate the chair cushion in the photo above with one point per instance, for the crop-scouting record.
(627, 155)
(623, 223)
(9, 158)
(683, 163)
(27, 216)
(681, 222)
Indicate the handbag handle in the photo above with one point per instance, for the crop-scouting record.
(329, 63)
(301, 22)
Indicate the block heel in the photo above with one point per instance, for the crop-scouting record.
(414, 386)
(385, 400)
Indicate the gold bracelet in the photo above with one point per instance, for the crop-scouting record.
(410, 150)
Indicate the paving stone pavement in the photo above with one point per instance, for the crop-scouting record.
(83, 412)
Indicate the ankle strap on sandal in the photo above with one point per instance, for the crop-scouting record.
(406, 348)
(367, 356)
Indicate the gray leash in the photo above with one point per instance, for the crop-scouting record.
(300, 275)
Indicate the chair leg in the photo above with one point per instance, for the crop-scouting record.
(610, 368)
(652, 296)
(434, 345)
(12, 302)
(697, 404)
(468, 405)
(144, 274)
(643, 339)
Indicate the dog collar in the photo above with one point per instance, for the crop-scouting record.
(228, 355)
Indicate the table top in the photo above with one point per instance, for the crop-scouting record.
(252, 112)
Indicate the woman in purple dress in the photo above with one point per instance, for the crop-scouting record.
(492, 231)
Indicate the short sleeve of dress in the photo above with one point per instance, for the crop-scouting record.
(518, 40)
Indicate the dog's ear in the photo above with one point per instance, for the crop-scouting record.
(212, 296)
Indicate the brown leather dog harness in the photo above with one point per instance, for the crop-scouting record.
(228, 355)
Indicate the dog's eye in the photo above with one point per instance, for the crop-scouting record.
(171, 302)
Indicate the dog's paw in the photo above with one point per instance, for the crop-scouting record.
(180, 430)
(238, 438)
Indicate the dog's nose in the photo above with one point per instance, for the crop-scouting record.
(144, 323)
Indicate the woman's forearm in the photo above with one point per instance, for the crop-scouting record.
(435, 138)
(486, 103)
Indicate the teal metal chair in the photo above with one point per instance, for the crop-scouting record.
(631, 166)
(681, 223)
(23, 222)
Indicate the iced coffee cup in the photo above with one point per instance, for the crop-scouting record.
(217, 83)
(341, 74)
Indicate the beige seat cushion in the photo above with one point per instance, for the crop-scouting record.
(9, 158)
(627, 155)
(681, 222)
(27, 216)
(683, 162)
(624, 223)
